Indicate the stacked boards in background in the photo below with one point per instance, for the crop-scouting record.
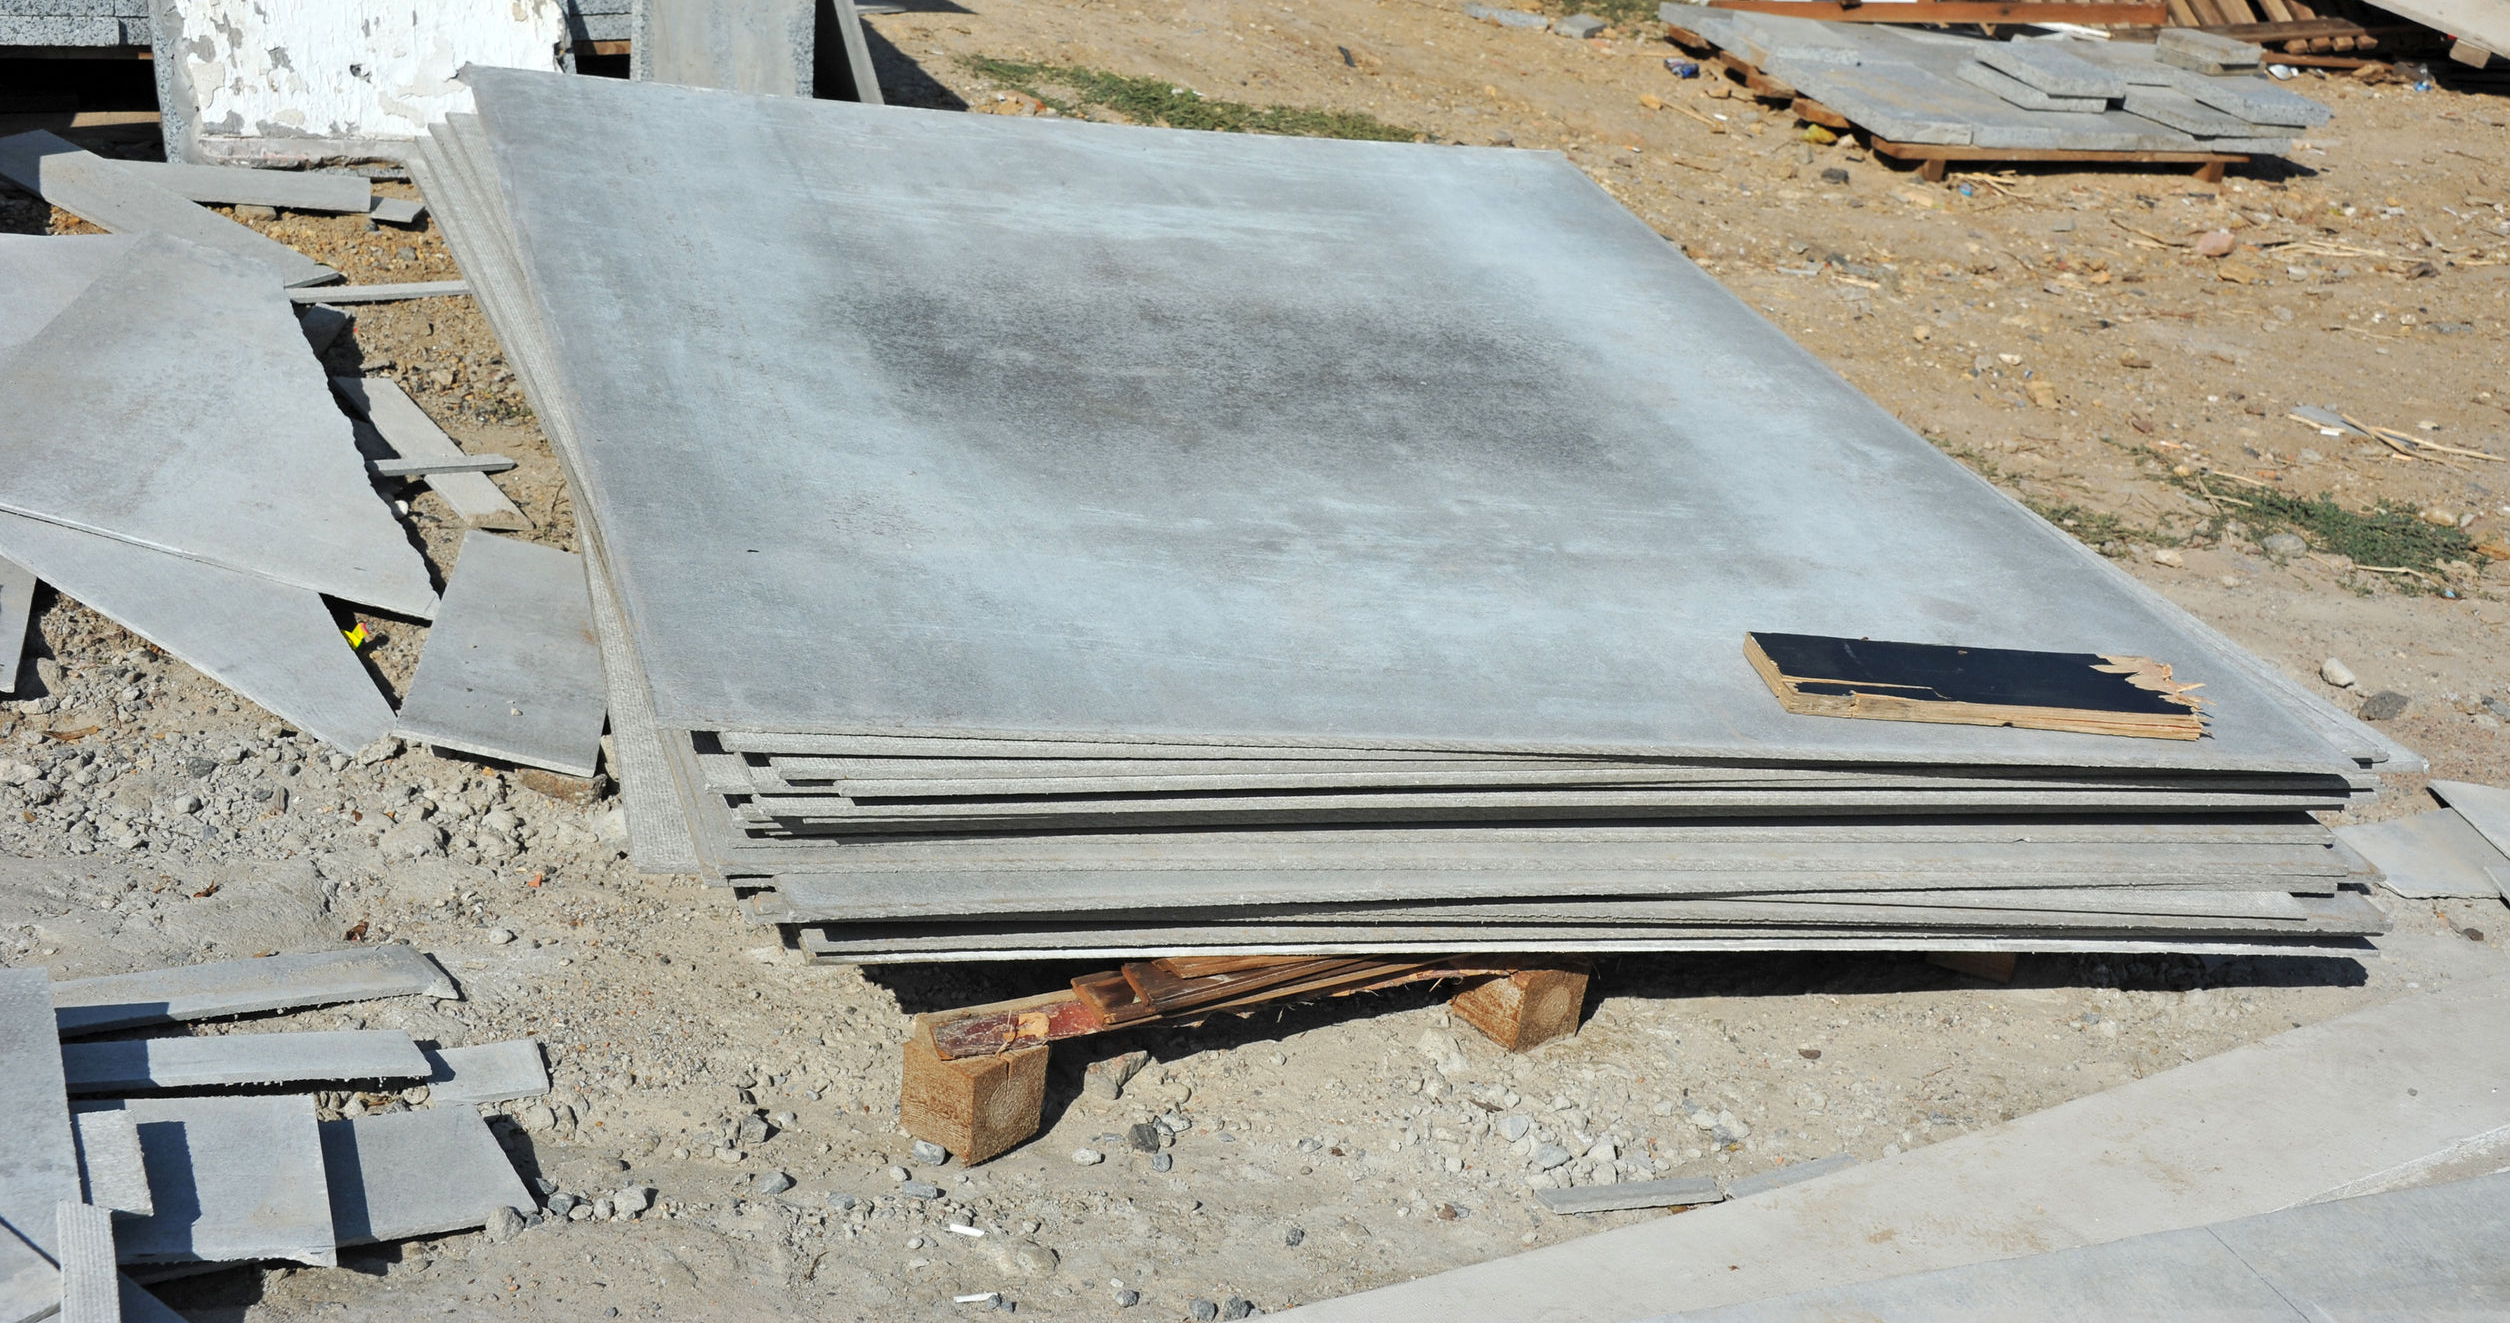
(1124, 541)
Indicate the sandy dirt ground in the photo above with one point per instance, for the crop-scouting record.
(2055, 329)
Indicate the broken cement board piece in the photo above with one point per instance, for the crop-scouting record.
(398, 211)
(139, 1064)
(2023, 94)
(2205, 52)
(271, 642)
(1678, 1192)
(2176, 109)
(2429, 1252)
(1780, 1177)
(2046, 67)
(91, 1287)
(138, 1306)
(17, 615)
(173, 405)
(38, 1160)
(487, 1073)
(109, 1161)
(234, 1179)
(2233, 1135)
(415, 289)
(297, 190)
(413, 435)
(511, 670)
(416, 1173)
(2430, 855)
(323, 325)
(2485, 808)
(241, 987)
(2253, 99)
(428, 468)
(101, 191)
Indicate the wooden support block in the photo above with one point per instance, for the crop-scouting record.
(1994, 966)
(1526, 1009)
(976, 1107)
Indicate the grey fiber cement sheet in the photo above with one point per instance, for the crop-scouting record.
(113, 1171)
(1576, 446)
(242, 987)
(2430, 1252)
(91, 1287)
(765, 47)
(101, 191)
(40, 279)
(235, 1179)
(297, 190)
(2431, 855)
(511, 669)
(2486, 808)
(274, 643)
(38, 1157)
(174, 405)
(1102, 947)
(486, 1073)
(2245, 1132)
(411, 434)
(137, 1065)
(416, 1173)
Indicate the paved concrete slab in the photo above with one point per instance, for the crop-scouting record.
(511, 669)
(112, 1170)
(173, 405)
(38, 1159)
(274, 643)
(2053, 68)
(91, 1287)
(485, 1073)
(101, 191)
(413, 435)
(241, 987)
(2010, 88)
(234, 1180)
(1213, 222)
(388, 293)
(2431, 855)
(2432, 1252)
(2416, 1082)
(297, 190)
(17, 618)
(139, 1064)
(417, 1173)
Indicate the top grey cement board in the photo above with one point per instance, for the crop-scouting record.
(17, 611)
(511, 669)
(38, 1159)
(1080, 429)
(241, 987)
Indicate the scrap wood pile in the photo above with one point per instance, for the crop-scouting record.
(1119, 542)
(130, 1159)
(2188, 95)
(173, 457)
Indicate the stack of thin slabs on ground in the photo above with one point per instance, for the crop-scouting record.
(163, 1154)
(172, 457)
(2190, 91)
(1089, 540)
(2461, 850)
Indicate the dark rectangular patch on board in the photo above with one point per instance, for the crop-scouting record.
(1875, 679)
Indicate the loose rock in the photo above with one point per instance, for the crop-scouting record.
(2386, 705)
(2336, 673)
(1088, 1157)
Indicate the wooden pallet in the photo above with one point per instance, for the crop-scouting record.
(975, 1078)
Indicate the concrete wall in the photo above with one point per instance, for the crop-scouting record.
(314, 80)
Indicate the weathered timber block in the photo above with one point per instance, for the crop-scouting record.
(976, 1107)
(1526, 1009)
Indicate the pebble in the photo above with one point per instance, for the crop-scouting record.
(1549, 1156)
(1087, 1157)
(900, 1174)
(1514, 1127)
(504, 1224)
(500, 936)
(930, 1153)
(920, 1190)
(631, 1201)
(1127, 1298)
(2385, 705)
(773, 1182)
(1580, 26)
(1163, 1162)
(2168, 556)
(2337, 673)
(1106, 1078)
(1293, 1237)
(1236, 1307)
(2285, 546)
(1145, 1138)
(561, 1204)
(1203, 1310)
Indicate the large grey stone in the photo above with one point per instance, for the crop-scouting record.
(233, 1180)
(2053, 68)
(101, 191)
(2024, 95)
(173, 405)
(511, 670)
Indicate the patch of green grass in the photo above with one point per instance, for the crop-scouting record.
(2095, 527)
(1619, 13)
(1156, 101)
(2389, 536)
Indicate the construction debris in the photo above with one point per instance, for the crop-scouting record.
(405, 430)
(242, 987)
(398, 293)
(962, 778)
(511, 670)
(784, 48)
(119, 200)
(17, 617)
(296, 190)
(137, 1065)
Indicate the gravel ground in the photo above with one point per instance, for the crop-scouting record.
(2053, 329)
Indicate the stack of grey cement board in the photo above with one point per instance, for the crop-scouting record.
(1940, 88)
(1085, 539)
(160, 1155)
